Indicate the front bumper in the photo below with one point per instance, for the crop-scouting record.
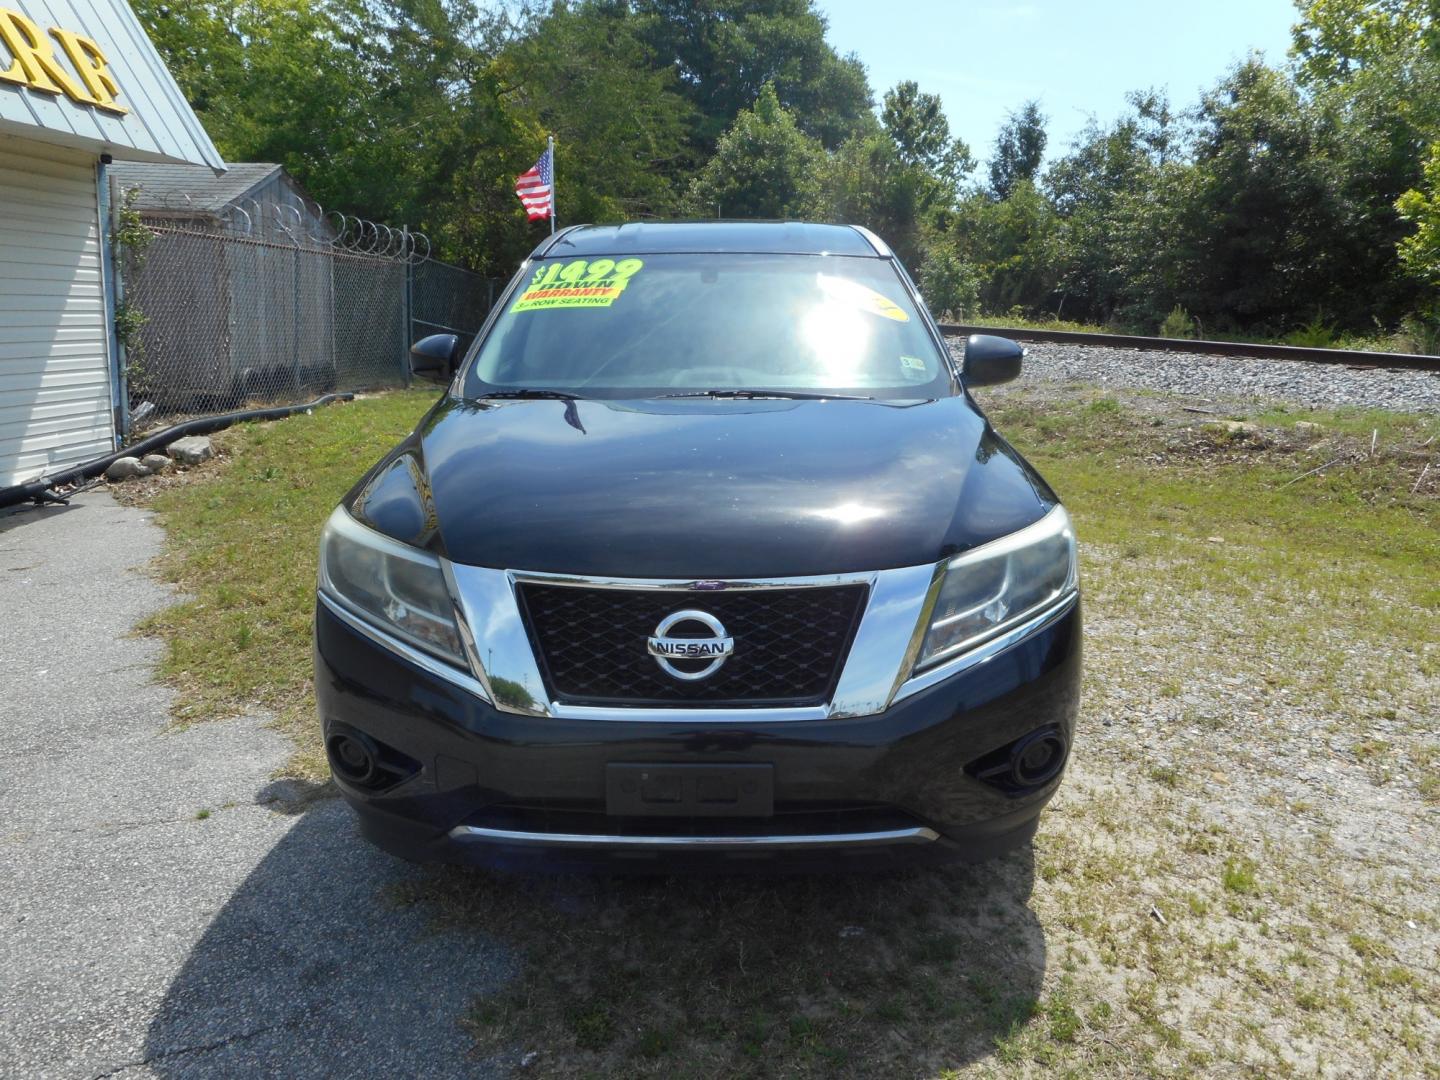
(470, 783)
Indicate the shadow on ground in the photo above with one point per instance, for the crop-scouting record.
(333, 959)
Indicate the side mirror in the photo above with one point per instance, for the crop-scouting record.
(990, 360)
(434, 357)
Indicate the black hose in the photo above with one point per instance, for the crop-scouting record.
(39, 490)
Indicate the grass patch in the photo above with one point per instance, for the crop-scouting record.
(1239, 876)
(812, 977)
(1203, 515)
(242, 537)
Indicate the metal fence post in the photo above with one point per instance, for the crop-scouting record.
(111, 204)
(295, 336)
(409, 317)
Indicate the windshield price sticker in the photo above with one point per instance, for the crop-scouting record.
(855, 295)
(579, 283)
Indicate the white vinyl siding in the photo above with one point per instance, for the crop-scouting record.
(54, 344)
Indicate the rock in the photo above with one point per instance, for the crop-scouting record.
(124, 468)
(191, 450)
(1241, 428)
(155, 462)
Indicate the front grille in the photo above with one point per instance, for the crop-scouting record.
(790, 644)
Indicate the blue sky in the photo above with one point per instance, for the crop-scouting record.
(985, 57)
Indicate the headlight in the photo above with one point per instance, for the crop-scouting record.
(397, 586)
(999, 585)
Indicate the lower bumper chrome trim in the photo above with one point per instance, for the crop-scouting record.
(816, 842)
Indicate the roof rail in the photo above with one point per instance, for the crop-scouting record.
(543, 248)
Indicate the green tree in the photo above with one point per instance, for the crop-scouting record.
(1373, 68)
(900, 181)
(1013, 243)
(1337, 39)
(725, 51)
(763, 167)
(1420, 209)
(867, 183)
(585, 74)
(363, 102)
(1019, 149)
(1267, 233)
(916, 124)
(1095, 188)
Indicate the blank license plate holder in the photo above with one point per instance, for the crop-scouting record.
(690, 790)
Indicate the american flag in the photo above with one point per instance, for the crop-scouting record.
(536, 187)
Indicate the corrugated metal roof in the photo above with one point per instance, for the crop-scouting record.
(160, 125)
(191, 188)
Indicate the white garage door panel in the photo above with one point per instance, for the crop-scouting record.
(29, 231)
(36, 216)
(58, 176)
(44, 421)
(43, 202)
(56, 435)
(42, 333)
(19, 272)
(38, 250)
(51, 401)
(26, 350)
(23, 387)
(38, 456)
(54, 344)
(20, 310)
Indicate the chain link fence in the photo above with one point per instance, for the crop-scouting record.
(214, 317)
(446, 299)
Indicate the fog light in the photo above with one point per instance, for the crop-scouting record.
(353, 757)
(1037, 758)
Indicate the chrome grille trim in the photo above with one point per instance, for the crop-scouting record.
(505, 662)
(781, 841)
(878, 672)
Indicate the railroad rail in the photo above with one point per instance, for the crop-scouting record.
(1351, 357)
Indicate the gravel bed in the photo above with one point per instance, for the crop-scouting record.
(1292, 381)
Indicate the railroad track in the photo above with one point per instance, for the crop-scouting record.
(1349, 357)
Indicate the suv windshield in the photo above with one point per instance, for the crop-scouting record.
(653, 325)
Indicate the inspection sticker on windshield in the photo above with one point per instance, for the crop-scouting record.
(853, 294)
(579, 283)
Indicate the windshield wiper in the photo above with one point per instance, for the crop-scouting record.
(798, 395)
(534, 392)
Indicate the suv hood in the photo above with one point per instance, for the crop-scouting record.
(699, 489)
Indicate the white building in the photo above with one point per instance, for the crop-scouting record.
(80, 85)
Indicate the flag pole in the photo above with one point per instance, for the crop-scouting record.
(550, 149)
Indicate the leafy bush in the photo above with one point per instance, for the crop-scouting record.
(1419, 334)
(950, 285)
(1314, 335)
(1178, 324)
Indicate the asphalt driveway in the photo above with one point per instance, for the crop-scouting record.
(140, 939)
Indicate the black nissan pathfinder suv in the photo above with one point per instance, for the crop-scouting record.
(705, 551)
